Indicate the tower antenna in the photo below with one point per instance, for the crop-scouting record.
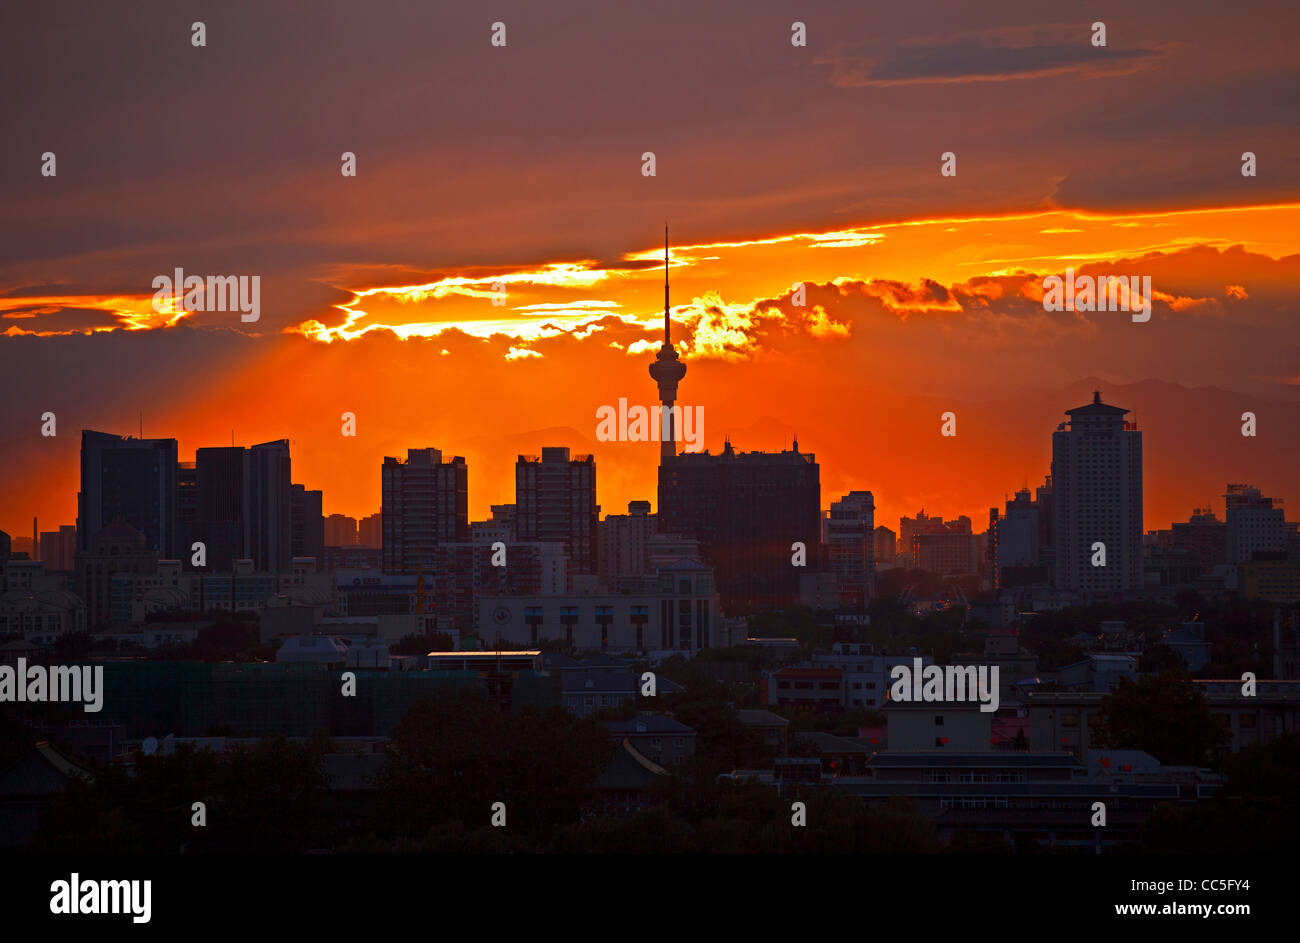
(667, 340)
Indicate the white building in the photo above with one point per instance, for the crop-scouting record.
(1097, 495)
(681, 615)
(866, 675)
(1254, 524)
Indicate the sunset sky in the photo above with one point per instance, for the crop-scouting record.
(775, 165)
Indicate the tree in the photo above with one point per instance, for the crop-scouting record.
(1164, 715)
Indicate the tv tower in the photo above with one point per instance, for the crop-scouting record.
(667, 370)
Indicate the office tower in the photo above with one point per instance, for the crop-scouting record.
(850, 545)
(425, 503)
(623, 543)
(308, 523)
(268, 506)
(132, 480)
(187, 509)
(1254, 524)
(746, 510)
(341, 531)
(1097, 499)
(219, 506)
(555, 500)
(369, 531)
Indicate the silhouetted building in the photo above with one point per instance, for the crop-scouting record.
(884, 546)
(59, 548)
(623, 543)
(425, 503)
(849, 535)
(370, 530)
(268, 506)
(555, 500)
(1097, 498)
(133, 480)
(308, 523)
(117, 549)
(746, 510)
(1255, 524)
(219, 505)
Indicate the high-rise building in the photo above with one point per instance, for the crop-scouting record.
(308, 523)
(1097, 500)
(219, 505)
(623, 543)
(1255, 524)
(555, 500)
(849, 535)
(746, 510)
(268, 506)
(1019, 540)
(341, 531)
(59, 548)
(132, 480)
(370, 530)
(425, 503)
(884, 547)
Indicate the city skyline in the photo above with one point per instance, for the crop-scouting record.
(923, 290)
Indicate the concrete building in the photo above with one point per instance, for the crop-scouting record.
(623, 544)
(884, 547)
(132, 480)
(745, 509)
(425, 503)
(584, 691)
(1255, 524)
(657, 737)
(866, 674)
(848, 531)
(268, 506)
(956, 727)
(340, 531)
(307, 522)
(1097, 499)
(681, 615)
(555, 501)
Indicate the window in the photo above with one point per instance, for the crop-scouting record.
(938, 720)
(1069, 720)
(1247, 721)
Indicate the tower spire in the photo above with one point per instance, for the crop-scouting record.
(667, 338)
(666, 370)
